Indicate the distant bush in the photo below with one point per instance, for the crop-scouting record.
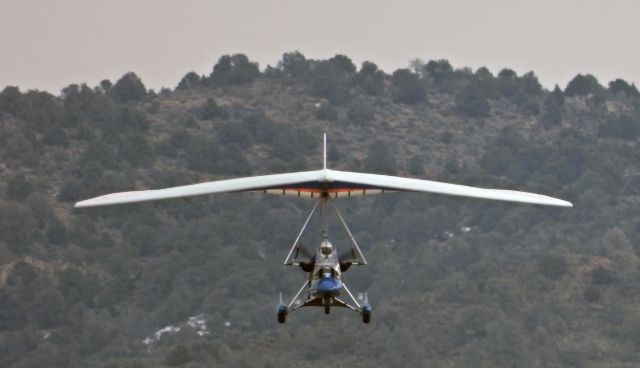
(234, 70)
(446, 137)
(439, 71)
(622, 127)
(553, 266)
(360, 111)
(326, 112)
(71, 190)
(552, 108)
(601, 276)
(56, 232)
(178, 355)
(210, 110)
(190, 80)
(136, 151)
(129, 88)
(592, 294)
(201, 154)
(471, 102)
(408, 87)
(414, 167)
(295, 66)
(371, 79)
(529, 84)
(55, 136)
(582, 85)
(261, 128)
(333, 78)
(379, 158)
(18, 187)
(620, 86)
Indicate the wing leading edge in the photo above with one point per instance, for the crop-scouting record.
(316, 183)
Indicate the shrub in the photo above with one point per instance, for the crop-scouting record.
(18, 187)
(582, 85)
(409, 88)
(553, 266)
(471, 102)
(129, 88)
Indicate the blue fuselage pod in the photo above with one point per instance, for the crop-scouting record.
(326, 286)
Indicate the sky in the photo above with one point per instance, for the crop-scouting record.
(48, 45)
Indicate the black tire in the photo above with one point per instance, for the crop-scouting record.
(366, 313)
(282, 313)
(366, 318)
(327, 305)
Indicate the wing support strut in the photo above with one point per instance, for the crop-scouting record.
(290, 261)
(359, 256)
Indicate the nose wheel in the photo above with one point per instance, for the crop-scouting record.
(327, 304)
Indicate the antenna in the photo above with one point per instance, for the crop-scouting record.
(324, 162)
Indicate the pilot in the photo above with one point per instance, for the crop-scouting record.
(326, 248)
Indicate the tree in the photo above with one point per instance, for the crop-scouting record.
(620, 86)
(294, 65)
(210, 110)
(55, 136)
(470, 101)
(190, 80)
(371, 79)
(583, 85)
(530, 84)
(18, 187)
(623, 127)
(553, 266)
(333, 79)
(49, 309)
(326, 112)
(18, 226)
(487, 83)
(552, 108)
(178, 355)
(129, 88)
(439, 71)
(234, 70)
(508, 83)
(200, 154)
(12, 312)
(414, 167)
(56, 232)
(136, 151)
(408, 87)
(360, 111)
(379, 159)
(71, 190)
(11, 100)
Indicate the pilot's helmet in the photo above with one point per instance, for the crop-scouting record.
(326, 248)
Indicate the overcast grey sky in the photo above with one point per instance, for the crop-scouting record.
(50, 44)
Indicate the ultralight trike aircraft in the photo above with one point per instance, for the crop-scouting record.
(325, 286)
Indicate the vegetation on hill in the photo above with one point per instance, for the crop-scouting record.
(454, 282)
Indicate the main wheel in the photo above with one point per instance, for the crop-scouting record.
(282, 313)
(366, 313)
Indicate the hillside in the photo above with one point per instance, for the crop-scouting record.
(193, 283)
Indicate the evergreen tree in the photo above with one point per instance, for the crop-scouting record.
(408, 87)
(471, 102)
(582, 85)
(129, 88)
